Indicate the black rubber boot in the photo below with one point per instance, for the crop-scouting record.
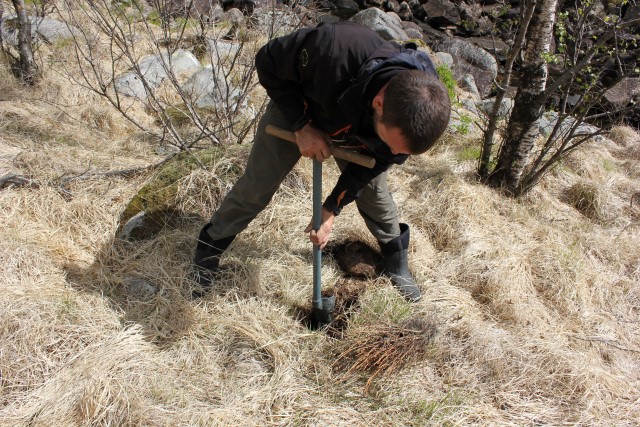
(396, 265)
(207, 259)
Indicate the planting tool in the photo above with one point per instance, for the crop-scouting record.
(322, 306)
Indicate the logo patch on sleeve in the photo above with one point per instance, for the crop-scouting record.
(304, 58)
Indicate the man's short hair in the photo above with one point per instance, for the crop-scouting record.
(418, 104)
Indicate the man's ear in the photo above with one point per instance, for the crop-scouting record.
(378, 100)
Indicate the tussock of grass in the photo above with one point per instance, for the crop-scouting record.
(624, 136)
(587, 200)
(384, 349)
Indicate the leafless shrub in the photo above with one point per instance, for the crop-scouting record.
(113, 39)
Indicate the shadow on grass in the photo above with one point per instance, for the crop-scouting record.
(149, 281)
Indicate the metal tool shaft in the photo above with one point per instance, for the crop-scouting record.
(316, 223)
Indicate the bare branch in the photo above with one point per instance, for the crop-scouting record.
(12, 180)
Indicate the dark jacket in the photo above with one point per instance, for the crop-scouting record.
(329, 75)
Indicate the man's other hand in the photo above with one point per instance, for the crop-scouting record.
(312, 142)
(321, 236)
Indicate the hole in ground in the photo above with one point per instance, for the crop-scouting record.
(360, 263)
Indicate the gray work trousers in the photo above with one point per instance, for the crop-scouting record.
(270, 160)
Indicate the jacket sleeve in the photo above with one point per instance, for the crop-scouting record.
(354, 178)
(285, 65)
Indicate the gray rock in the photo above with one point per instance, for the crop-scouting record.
(411, 26)
(207, 91)
(266, 19)
(345, 9)
(416, 10)
(494, 46)
(42, 30)
(470, 12)
(486, 106)
(204, 89)
(404, 12)
(468, 83)
(442, 13)
(549, 120)
(471, 59)
(413, 33)
(388, 25)
(624, 92)
(154, 71)
(184, 63)
(391, 6)
(469, 105)
(470, 53)
(222, 53)
(131, 83)
(134, 223)
(445, 58)
(140, 287)
(235, 16)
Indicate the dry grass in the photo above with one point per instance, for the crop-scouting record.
(537, 303)
(587, 199)
(384, 349)
(624, 136)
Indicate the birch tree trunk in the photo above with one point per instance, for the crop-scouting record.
(28, 69)
(1, 12)
(492, 125)
(522, 129)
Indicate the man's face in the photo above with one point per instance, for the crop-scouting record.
(392, 136)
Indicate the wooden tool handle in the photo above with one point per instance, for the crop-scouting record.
(340, 153)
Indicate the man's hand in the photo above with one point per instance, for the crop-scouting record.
(312, 142)
(321, 236)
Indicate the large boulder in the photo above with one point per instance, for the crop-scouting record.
(286, 21)
(345, 9)
(625, 93)
(42, 30)
(404, 12)
(154, 71)
(222, 53)
(471, 59)
(417, 10)
(494, 46)
(442, 13)
(207, 90)
(388, 25)
(548, 122)
(486, 106)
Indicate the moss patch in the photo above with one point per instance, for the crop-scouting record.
(157, 197)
